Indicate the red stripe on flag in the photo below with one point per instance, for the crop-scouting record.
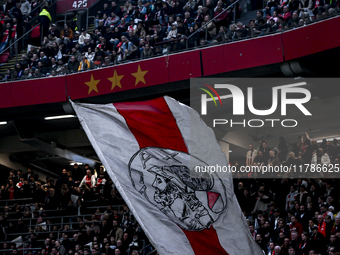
(205, 242)
(153, 125)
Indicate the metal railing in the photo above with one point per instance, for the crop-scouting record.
(9, 19)
(50, 226)
(7, 251)
(43, 232)
(36, 8)
(118, 207)
(145, 249)
(54, 218)
(78, 9)
(60, 211)
(154, 252)
(58, 232)
(21, 206)
(17, 199)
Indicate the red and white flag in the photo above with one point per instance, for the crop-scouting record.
(149, 149)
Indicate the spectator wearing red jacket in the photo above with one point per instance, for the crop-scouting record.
(221, 20)
(6, 36)
(286, 15)
(295, 226)
(35, 36)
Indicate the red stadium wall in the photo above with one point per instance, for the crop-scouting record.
(244, 54)
(39, 91)
(311, 39)
(241, 55)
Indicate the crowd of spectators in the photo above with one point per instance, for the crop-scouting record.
(153, 28)
(286, 216)
(79, 213)
(15, 17)
(292, 215)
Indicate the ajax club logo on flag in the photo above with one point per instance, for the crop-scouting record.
(164, 178)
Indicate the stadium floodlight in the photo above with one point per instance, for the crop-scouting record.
(59, 117)
(73, 163)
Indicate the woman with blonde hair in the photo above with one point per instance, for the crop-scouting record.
(128, 7)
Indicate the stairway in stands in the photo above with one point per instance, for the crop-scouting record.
(11, 62)
(90, 28)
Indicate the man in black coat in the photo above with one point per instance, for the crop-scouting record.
(318, 240)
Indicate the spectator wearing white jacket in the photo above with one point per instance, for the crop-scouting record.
(173, 32)
(90, 55)
(291, 197)
(84, 35)
(320, 158)
(88, 179)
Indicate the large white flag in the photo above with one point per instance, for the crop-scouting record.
(149, 149)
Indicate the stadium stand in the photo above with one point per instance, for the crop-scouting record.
(67, 216)
(139, 30)
(82, 213)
